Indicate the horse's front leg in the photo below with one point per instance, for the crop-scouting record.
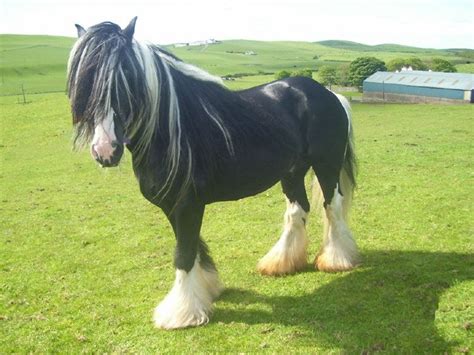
(189, 303)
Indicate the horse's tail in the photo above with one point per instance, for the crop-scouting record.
(347, 175)
(339, 250)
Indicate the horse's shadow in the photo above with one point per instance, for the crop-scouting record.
(388, 304)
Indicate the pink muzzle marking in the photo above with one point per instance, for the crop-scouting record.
(104, 151)
(104, 141)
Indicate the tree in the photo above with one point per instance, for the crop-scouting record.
(282, 74)
(343, 75)
(396, 64)
(399, 63)
(327, 75)
(363, 67)
(442, 65)
(303, 72)
(417, 64)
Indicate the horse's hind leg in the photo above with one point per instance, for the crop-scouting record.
(289, 254)
(339, 250)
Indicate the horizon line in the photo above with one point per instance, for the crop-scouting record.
(259, 40)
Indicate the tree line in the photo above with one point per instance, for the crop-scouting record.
(361, 68)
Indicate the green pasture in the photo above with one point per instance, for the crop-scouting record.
(84, 259)
(37, 64)
(229, 57)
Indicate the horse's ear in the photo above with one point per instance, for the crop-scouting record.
(130, 29)
(80, 30)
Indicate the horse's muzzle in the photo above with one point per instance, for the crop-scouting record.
(107, 155)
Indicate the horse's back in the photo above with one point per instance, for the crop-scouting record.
(297, 99)
(317, 113)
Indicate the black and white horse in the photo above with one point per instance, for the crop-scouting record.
(194, 142)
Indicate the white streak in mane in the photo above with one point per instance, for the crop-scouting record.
(71, 57)
(191, 70)
(147, 119)
(217, 120)
(179, 146)
(174, 130)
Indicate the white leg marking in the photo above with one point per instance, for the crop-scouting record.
(189, 303)
(288, 255)
(339, 250)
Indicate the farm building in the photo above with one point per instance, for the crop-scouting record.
(419, 86)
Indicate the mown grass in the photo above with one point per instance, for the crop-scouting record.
(84, 258)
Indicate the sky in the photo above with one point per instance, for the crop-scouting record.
(421, 23)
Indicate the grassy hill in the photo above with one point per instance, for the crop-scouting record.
(38, 63)
(228, 57)
(387, 47)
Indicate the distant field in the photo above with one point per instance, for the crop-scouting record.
(38, 63)
(84, 258)
(228, 57)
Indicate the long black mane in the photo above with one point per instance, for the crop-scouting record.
(188, 114)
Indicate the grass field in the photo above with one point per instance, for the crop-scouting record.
(228, 57)
(84, 258)
(38, 63)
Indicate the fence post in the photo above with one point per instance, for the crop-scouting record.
(24, 94)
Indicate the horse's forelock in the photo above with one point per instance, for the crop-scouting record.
(91, 64)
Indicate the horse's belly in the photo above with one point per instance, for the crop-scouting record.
(248, 177)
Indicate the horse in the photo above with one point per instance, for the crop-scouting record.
(194, 142)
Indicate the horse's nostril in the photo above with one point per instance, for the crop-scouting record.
(118, 149)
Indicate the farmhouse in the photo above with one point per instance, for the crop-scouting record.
(419, 86)
(197, 43)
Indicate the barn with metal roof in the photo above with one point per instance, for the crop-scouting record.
(419, 86)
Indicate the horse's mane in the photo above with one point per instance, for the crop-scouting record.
(188, 110)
